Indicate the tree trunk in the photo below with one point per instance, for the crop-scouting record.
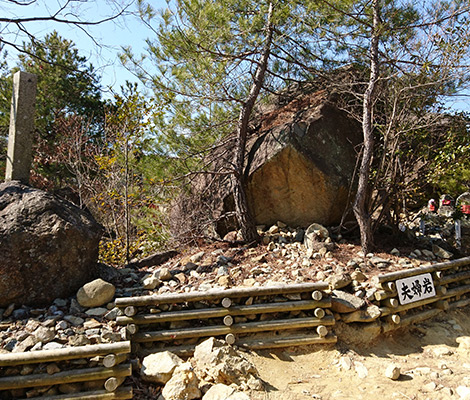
(361, 205)
(244, 217)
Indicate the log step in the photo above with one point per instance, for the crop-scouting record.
(77, 375)
(118, 394)
(249, 327)
(219, 294)
(222, 312)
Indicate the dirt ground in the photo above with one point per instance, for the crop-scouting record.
(432, 365)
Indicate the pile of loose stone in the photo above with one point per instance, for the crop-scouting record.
(286, 256)
(217, 371)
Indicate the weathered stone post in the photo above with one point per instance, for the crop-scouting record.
(20, 138)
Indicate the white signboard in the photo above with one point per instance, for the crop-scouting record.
(415, 288)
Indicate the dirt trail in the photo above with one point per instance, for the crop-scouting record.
(431, 361)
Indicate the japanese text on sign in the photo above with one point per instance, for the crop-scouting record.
(415, 288)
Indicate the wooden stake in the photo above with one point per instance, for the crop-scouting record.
(230, 338)
(130, 311)
(317, 295)
(113, 383)
(391, 302)
(319, 312)
(68, 353)
(322, 331)
(226, 302)
(111, 360)
(228, 320)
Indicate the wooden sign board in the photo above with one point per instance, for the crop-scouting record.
(415, 288)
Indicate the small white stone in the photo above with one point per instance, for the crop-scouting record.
(393, 372)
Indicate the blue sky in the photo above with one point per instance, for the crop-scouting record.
(101, 44)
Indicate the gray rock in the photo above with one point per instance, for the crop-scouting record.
(96, 312)
(342, 302)
(95, 293)
(219, 392)
(75, 321)
(441, 253)
(49, 246)
(164, 274)
(44, 335)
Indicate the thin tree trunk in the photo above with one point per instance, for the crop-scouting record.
(361, 206)
(244, 217)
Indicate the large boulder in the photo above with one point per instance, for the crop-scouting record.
(299, 163)
(48, 246)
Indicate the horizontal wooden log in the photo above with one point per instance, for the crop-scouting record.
(185, 315)
(457, 291)
(287, 341)
(68, 353)
(393, 276)
(387, 310)
(411, 319)
(384, 294)
(219, 294)
(459, 303)
(77, 375)
(391, 302)
(389, 286)
(249, 327)
(120, 394)
(252, 343)
(460, 276)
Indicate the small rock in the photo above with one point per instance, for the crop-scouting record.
(95, 293)
(464, 342)
(395, 252)
(164, 274)
(361, 370)
(96, 312)
(112, 314)
(159, 367)
(218, 392)
(393, 372)
(342, 302)
(440, 252)
(357, 275)
(44, 335)
(151, 281)
(197, 257)
(345, 363)
(224, 281)
(339, 281)
(53, 346)
(75, 321)
(430, 387)
(9, 310)
(183, 385)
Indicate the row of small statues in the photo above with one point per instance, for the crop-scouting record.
(446, 205)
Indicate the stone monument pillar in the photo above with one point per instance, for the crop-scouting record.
(20, 138)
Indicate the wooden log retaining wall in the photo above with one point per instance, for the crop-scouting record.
(84, 372)
(298, 314)
(451, 281)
